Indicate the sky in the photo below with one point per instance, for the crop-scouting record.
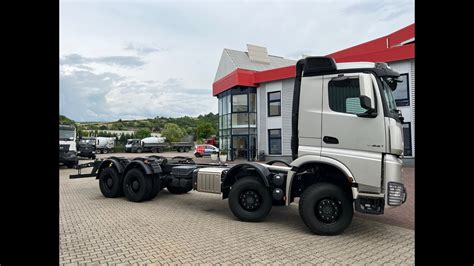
(142, 59)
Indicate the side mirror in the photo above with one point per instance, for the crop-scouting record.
(366, 97)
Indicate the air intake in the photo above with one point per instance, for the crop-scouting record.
(318, 64)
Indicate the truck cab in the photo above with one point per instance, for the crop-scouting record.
(347, 145)
(86, 147)
(67, 145)
(132, 145)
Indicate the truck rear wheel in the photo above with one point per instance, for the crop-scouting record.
(186, 149)
(105, 151)
(250, 200)
(136, 186)
(156, 187)
(110, 183)
(154, 150)
(326, 209)
(180, 149)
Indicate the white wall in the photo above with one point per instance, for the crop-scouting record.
(282, 122)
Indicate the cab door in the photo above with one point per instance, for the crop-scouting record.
(357, 142)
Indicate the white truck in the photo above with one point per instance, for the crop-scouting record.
(67, 146)
(104, 144)
(155, 145)
(346, 155)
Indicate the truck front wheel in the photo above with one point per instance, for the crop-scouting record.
(250, 200)
(326, 209)
(109, 183)
(137, 186)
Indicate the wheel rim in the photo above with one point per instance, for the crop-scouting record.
(328, 210)
(250, 200)
(109, 182)
(135, 185)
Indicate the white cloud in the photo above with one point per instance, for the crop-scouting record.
(165, 41)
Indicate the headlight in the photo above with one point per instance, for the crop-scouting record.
(396, 194)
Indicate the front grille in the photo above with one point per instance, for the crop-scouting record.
(64, 147)
(396, 194)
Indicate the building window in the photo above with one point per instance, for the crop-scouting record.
(344, 96)
(407, 139)
(240, 120)
(274, 141)
(401, 94)
(274, 103)
(239, 103)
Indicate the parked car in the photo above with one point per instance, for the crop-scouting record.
(205, 150)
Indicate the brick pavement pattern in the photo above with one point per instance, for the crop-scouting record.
(200, 228)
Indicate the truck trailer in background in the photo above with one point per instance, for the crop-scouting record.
(104, 144)
(156, 145)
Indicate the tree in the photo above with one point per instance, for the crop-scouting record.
(204, 130)
(143, 133)
(172, 132)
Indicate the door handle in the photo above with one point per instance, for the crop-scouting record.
(330, 140)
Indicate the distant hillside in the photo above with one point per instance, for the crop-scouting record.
(186, 123)
(65, 121)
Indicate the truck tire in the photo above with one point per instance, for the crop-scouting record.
(154, 150)
(250, 200)
(160, 150)
(326, 209)
(186, 149)
(105, 151)
(110, 183)
(139, 150)
(156, 187)
(180, 149)
(178, 190)
(137, 186)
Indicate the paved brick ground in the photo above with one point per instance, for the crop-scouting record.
(200, 228)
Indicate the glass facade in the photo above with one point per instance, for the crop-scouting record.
(238, 122)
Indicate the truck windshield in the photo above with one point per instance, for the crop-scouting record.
(392, 107)
(66, 134)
